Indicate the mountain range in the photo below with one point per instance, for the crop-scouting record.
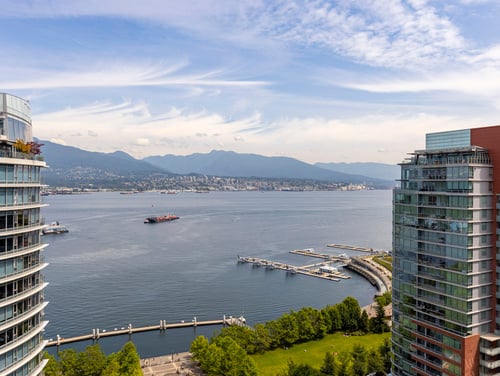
(70, 166)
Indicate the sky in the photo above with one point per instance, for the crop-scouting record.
(319, 81)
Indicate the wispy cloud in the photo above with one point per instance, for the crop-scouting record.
(389, 33)
(179, 132)
(119, 75)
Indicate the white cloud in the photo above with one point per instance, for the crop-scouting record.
(311, 139)
(142, 142)
(118, 75)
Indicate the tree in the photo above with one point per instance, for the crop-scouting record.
(262, 338)
(129, 360)
(235, 361)
(377, 323)
(311, 324)
(375, 361)
(91, 362)
(333, 319)
(350, 312)
(386, 354)
(288, 330)
(112, 366)
(329, 366)
(359, 356)
(346, 365)
(53, 367)
(364, 322)
(69, 362)
(300, 370)
(198, 347)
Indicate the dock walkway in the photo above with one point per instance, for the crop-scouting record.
(312, 270)
(97, 334)
(351, 248)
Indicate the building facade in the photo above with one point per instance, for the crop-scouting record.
(21, 282)
(445, 227)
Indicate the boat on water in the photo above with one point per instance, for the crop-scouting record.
(54, 228)
(161, 218)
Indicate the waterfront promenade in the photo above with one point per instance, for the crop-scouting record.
(170, 365)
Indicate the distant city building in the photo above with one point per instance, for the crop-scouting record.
(21, 282)
(446, 308)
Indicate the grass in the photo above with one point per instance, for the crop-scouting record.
(385, 261)
(273, 362)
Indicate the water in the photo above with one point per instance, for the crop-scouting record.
(111, 269)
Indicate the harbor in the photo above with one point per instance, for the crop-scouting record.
(325, 270)
(377, 275)
(129, 330)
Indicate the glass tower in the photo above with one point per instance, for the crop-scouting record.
(444, 258)
(21, 282)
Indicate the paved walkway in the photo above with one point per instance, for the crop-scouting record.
(174, 365)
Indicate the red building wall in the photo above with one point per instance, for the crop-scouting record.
(489, 138)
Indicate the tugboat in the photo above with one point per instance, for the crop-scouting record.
(161, 218)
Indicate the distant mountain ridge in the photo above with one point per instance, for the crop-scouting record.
(69, 164)
(374, 170)
(229, 163)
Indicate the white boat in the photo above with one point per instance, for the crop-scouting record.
(54, 228)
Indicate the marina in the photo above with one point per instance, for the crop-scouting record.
(319, 270)
(328, 269)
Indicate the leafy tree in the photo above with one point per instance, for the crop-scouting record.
(212, 361)
(385, 352)
(346, 365)
(235, 361)
(359, 355)
(329, 366)
(91, 362)
(243, 335)
(53, 367)
(377, 323)
(384, 299)
(333, 319)
(69, 362)
(364, 322)
(199, 347)
(311, 324)
(288, 330)
(129, 360)
(300, 370)
(350, 312)
(375, 361)
(262, 339)
(112, 366)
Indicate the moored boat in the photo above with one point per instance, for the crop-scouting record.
(54, 228)
(161, 218)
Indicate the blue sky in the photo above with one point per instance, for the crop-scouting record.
(320, 81)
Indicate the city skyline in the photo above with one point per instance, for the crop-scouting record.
(317, 81)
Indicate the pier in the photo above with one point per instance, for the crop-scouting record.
(363, 265)
(312, 270)
(163, 326)
(351, 248)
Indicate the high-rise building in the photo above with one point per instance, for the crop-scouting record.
(446, 311)
(21, 282)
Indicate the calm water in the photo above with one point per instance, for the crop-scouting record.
(111, 269)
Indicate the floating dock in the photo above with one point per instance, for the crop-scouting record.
(312, 270)
(163, 326)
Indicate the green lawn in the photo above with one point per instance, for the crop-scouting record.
(312, 353)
